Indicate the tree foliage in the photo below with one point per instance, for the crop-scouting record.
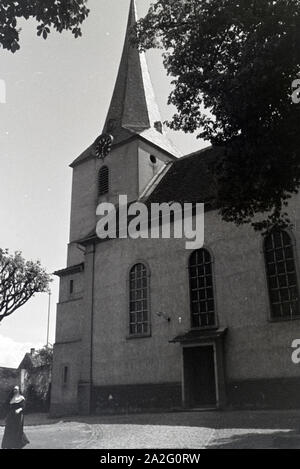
(45, 355)
(233, 63)
(57, 14)
(19, 281)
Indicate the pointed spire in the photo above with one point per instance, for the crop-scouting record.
(133, 109)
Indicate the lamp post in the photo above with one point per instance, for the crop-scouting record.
(48, 321)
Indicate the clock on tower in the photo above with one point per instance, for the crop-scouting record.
(103, 145)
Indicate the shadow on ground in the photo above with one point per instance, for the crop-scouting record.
(274, 440)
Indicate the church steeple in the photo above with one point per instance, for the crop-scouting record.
(133, 109)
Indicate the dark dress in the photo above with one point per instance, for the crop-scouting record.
(14, 436)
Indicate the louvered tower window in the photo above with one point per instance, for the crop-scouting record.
(103, 181)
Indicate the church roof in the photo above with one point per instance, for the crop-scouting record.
(133, 109)
(189, 179)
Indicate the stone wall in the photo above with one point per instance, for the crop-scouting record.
(280, 393)
(139, 398)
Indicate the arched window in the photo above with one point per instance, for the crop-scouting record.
(201, 289)
(138, 300)
(103, 180)
(282, 276)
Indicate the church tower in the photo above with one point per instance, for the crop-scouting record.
(132, 151)
(135, 135)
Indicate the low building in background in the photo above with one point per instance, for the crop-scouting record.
(34, 378)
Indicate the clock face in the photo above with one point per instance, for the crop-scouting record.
(103, 145)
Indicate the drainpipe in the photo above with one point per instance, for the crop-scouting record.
(92, 331)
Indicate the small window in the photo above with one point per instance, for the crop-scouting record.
(71, 287)
(103, 181)
(65, 375)
(153, 159)
(158, 126)
(201, 289)
(282, 275)
(138, 301)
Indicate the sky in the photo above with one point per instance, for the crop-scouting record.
(54, 96)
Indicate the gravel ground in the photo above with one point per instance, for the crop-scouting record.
(182, 430)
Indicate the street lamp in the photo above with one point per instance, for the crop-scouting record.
(48, 321)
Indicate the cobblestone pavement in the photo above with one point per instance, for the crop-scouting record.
(187, 430)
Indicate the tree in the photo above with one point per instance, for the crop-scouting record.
(45, 355)
(38, 379)
(19, 281)
(233, 63)
(58, 14)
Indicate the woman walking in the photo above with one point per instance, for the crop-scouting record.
(14, 436)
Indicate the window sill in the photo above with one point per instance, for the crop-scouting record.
(205, 328)
(138, 336)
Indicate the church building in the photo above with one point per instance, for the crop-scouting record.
(146, 324)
